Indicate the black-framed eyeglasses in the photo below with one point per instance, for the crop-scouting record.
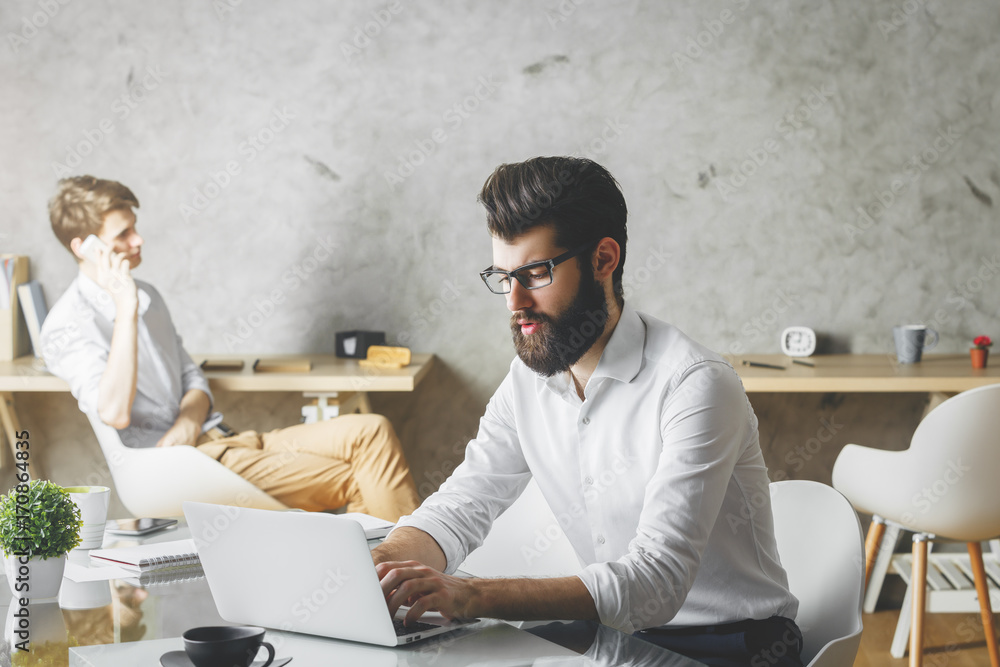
(531, 276)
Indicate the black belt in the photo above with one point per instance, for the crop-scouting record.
(747, 625)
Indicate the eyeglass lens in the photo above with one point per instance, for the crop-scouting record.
(531, 277)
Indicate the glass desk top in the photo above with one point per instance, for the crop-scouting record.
(121, 622)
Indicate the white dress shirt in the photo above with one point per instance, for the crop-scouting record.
(656, 477)
(76, 340)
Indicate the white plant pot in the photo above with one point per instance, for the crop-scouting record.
(38, 623)
(43, 577)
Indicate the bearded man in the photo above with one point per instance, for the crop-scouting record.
(678, 541)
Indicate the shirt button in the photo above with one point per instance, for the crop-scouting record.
(600, 539)
(586, 420)
(588, 480)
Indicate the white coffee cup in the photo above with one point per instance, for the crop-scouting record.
(93, 502)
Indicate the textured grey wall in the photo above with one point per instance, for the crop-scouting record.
(819, 163)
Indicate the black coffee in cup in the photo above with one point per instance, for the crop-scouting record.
(221, 646)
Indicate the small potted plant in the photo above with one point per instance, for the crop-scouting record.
(39, 525)
(981, 352)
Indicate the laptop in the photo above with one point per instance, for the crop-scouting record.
(306, 572)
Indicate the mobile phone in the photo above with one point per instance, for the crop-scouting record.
(137, 526)
(89, 247)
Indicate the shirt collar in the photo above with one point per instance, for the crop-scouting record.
(622, 356)
(102, 302)
(621, 359)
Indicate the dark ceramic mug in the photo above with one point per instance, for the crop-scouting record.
(222, 646)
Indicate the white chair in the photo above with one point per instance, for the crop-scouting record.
(153, 482)
(821, 548)
(945, 486)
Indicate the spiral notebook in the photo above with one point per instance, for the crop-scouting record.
(174, 575)
(150, 557)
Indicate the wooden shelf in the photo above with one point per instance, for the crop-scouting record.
(947, 373)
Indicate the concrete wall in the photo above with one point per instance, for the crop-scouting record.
(818, 163)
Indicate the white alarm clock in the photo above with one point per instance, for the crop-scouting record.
(798, 341)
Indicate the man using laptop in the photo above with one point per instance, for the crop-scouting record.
(642, 441)
(112, 339)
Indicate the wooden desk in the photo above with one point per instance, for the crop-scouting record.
(329, 376)
(936, 373)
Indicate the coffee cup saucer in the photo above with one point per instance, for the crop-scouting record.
(181, 659)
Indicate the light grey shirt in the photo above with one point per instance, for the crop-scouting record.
(76, 340)
(656, 477)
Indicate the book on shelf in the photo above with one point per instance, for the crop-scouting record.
(150, 557)
(14, 340)
(222, 365)
(33, 306)
(282, 366)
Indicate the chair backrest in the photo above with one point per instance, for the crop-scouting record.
(155, 481)
(822, 550)
(953, 465)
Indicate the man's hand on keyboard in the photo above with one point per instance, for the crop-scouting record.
(425, 589)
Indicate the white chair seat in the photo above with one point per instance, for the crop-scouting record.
(155, 481)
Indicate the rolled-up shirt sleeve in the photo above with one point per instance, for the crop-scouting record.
(191, 375)
(704, 427)
(492, 476)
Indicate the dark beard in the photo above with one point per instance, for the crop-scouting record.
(560, 342)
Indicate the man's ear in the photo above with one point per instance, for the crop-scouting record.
(606, 257)
(74, 245)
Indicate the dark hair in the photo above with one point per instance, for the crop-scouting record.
(578, 197)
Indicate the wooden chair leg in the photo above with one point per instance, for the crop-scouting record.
(872, 543)
(918, 585)
(983, 593)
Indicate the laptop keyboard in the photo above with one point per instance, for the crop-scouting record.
(397, 624)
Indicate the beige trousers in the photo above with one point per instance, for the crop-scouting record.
(353, 460)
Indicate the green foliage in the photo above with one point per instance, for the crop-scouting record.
(39, 519)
